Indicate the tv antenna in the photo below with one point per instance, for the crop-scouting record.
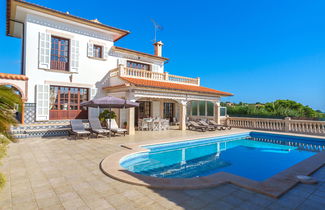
(157, 28)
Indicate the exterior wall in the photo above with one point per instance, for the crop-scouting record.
(29, 113)
(90, 71)
(156, 105)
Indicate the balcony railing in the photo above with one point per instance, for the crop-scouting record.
(286, 125)
(144, 74)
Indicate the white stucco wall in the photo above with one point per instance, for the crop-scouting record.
(90, 71)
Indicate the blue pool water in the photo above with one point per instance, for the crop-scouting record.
(253, 155)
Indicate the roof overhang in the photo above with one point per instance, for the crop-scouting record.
(137, 53)
(165, 86)
(13, 76)
(15, 16)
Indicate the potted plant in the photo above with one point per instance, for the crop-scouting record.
(106, 114)
(125, 124)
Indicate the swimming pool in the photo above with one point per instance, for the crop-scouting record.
(254, 155)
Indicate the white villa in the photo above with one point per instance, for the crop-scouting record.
(67, 60)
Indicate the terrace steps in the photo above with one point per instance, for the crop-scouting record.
(43, 129)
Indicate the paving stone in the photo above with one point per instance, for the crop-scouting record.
(54, 173)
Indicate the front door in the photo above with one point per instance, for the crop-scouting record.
(65, 103)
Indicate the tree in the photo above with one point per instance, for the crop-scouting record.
(278, 109)
(8, 100)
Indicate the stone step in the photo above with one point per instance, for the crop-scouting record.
(43, 129)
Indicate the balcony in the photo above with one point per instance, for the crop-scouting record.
(123, 71)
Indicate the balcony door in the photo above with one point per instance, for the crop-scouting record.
(169, 111)
(59, 53)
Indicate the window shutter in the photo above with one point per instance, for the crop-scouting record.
(44, 50)
(90, 50)
(42, 102)
(92, 112)
(106, 52)
(74, 55)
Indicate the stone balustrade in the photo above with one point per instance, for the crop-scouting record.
(157, 76)
(285, 125)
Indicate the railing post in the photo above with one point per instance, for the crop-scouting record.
(287, 126)
(166, 76)
(121, 69)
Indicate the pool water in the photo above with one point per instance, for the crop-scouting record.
(253, 155)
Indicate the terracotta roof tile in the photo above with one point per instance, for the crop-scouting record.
(13, 76)
(173, 86)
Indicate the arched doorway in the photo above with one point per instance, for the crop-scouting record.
(19, 108)
(19, 84)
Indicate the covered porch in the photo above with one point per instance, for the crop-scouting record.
(163, 96)
(176, 108)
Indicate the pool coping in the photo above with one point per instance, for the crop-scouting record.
(274, 186)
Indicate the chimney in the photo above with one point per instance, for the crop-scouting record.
(158, 48)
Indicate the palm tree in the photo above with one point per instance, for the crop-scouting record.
(8, 100)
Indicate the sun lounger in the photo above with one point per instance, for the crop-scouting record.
(97, 128)
(78, 129)
(195, 126)
(114, 127)
(218, 126)
(210, 127)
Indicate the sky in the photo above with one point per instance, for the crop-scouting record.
(259, 50)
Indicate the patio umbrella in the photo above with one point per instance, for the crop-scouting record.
(109, 102)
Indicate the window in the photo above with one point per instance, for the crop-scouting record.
(65, 102)
(202, 108)
(210, 109)
(223, 111)
(98, 51)
(194, 108)
(59, 53)
(136, 65)
(144, 109)
(168, 111)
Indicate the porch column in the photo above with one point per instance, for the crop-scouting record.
(217, 112)
(130, 127)
(182, 125)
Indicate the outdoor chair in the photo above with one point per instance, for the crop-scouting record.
(143, 125)
(97, 128)
(164, 124)
(175, 122)
(78, 129)
(210, 127)
(218, 126)
(114, 127)
(195, 126)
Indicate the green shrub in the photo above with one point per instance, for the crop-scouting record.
(276, 109)
(106, 114)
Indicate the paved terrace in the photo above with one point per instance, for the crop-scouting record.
(57, 173)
